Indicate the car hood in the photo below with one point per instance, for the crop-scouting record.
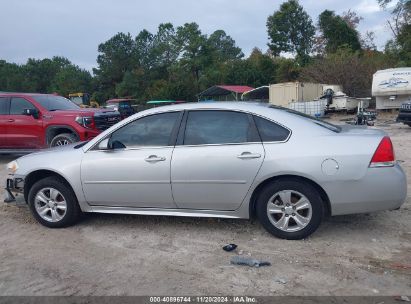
(55, 150)
(84, 112)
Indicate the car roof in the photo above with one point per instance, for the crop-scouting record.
(229, 105)
(267, 110)
(274, 113)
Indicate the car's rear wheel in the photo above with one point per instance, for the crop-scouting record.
(290, 209)
(53, 203)
(63, 140)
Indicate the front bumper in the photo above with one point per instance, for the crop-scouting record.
(14, 186)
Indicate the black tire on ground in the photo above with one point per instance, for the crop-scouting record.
(63, 139)
(409, 124)
(73, 211)
(307, 190)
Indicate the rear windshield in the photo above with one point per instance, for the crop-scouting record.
(313, 119)
(54, 103)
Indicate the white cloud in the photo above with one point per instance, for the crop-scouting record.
(366, 7)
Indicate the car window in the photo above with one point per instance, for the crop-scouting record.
(18, 105)
(218, 127)
(317, 121)
(153, 130)
(270, 131)
(3, 106)
(55, 103)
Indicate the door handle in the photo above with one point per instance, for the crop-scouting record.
(10, 120)
(154, 159)
(248, 155)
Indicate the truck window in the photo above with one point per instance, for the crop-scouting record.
(18, 105)
(3, 106)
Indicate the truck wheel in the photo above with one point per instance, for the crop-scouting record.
(290, 209)
(63, 140)
(53, 203)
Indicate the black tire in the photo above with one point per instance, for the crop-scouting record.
(63, 139)
(409, 124)
(72, 212)
(314, 198)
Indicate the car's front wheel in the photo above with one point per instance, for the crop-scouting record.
(53, 203)
(290, 209)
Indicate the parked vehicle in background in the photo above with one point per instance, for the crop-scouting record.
(83, 100)
(122, 105)
(229, 160)
(404, 115)
(30, 122)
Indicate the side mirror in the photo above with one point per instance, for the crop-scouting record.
(104, 144)
(31, 112)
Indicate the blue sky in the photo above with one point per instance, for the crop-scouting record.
(73, 29)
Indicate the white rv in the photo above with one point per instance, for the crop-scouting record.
(392, 88)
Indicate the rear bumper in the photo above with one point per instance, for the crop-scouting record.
(14, 185)
(380, 189)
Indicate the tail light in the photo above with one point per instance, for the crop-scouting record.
(384, 156)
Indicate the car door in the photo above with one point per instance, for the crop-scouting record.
(24, 131)
(135, 170)
(4, 111)
(217, 160)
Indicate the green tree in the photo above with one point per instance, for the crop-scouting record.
(223, 47)
(193, 50)
(117, 56)
(71, 79)
(291, 30)
(11, 77)
(337, 33)
(338, 67)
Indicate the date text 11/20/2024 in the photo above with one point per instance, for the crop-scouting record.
(203, 299)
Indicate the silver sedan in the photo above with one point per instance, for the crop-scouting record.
(227, 160)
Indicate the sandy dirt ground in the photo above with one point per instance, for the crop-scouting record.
(367, 254)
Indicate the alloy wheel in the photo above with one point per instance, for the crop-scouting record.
(50, 204)
(289, 210)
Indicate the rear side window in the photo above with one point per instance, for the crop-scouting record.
(270, 131)
(18, 105)
(3, 106)
(218, 127)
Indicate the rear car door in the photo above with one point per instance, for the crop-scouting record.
(216, 160)
(24, 131)
(4, 111)
(135, 172)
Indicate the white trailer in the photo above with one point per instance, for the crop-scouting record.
(391, 88)
(281, 94)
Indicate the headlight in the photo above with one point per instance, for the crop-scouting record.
(12, 167)
(85, 121)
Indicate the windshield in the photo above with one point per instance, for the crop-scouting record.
(315, 120)
(54, 103)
